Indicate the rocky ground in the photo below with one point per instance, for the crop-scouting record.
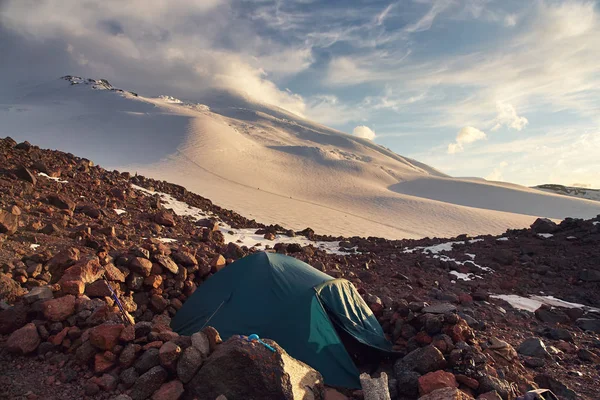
(70, 231)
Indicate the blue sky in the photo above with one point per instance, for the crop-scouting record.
(507, 90)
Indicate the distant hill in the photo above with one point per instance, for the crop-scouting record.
(582, 193)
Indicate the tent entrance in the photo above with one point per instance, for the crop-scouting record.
(349, 313)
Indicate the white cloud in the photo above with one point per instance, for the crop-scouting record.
(364, 132)
(180, 48)
(466, 135)
(380, 18)
(507, 116)
(497, 172)
(425, 22)
(510, 20)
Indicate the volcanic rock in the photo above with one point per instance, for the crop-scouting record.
(248, 370)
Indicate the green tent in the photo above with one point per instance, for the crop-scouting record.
(284, 299)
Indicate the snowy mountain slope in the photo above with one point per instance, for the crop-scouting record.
(269, 164)
(582, 193)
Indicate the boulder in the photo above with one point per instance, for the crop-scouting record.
(590, 275)
(59, 309)
(239, 369)
(87, 271)
(167, 263)
(61, 202)
(164, 218)
(25, 174)
(98, 289)
(141, 266)
(169, 391)
(9, 223)
(448, 393)
(436, 380)
(168, 354)
(422, 360)
(105, 336)
(61, 261)
(24, 340)
(442, 308)
(189, 363)
(217, 263)
(408, 383)
(148, 383)
(533, 347)
(543, 225)
(560, 389)
(10, 290)
(200, 341)
(589, 324)
(39, 293)
(113, 274)
(545, 314)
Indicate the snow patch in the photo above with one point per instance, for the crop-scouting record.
(532, 303)
(120, 211)
(502, 239)
(34, 246)
(461, 276)
(51, 178)
(545, 235)
(243, 237)
(167, 240)
(471, 256)
(595, 222)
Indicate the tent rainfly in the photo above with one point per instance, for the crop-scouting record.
(284, 299)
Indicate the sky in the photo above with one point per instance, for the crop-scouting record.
(507, 90)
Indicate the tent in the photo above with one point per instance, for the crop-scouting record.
(284, 299)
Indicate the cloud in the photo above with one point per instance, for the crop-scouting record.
(364, 132)
(466, 135)
(510, 20)
(380, 19)
(507, 116)
(186, 49)
(425, 22)
(496, 174)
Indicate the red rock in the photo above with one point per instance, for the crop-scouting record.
(217, 263)
(164, 218)
(62, 260)
(87, 271)
(168, 354)
(436, 380)
(98, 289)
(104, 361)
(114, 274)
(423, 338)
(106, 382)
(213, 337)
(153, 345)
(59, 337)
(460, 332)
(105, 336)
(468, 382)
(59, 309)
(8, 222)
(141, 265)
(332, 394)
(167, 263)
(154, 281)
(465, 298)
(169, 391)
(493, 395)
(127, 334)
(72, 287)
(24, 340)
(448, 393)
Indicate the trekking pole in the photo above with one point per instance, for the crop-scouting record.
(126, 317)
